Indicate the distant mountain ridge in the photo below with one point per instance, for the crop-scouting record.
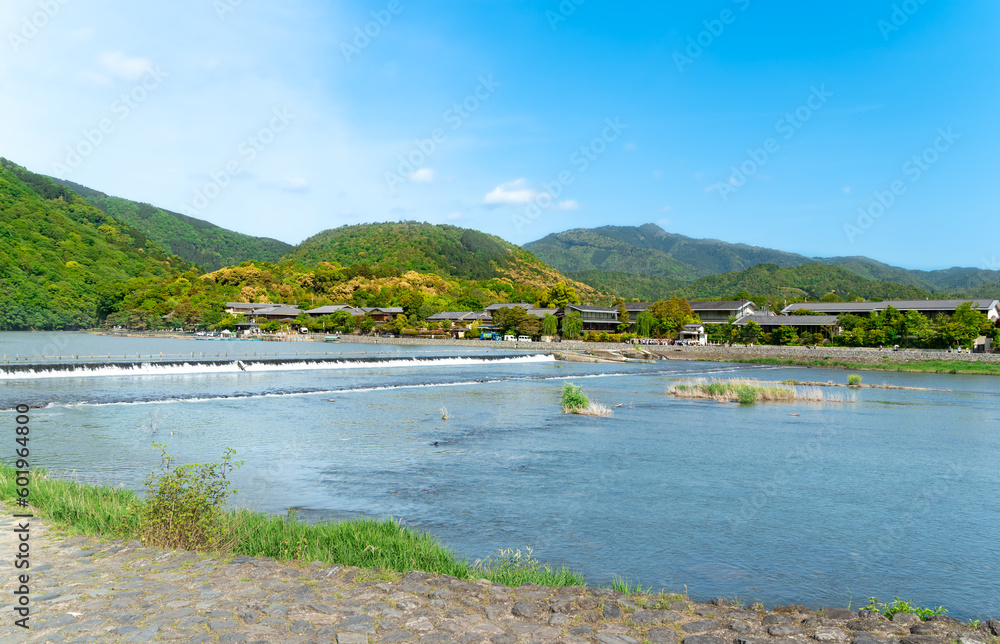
(669, 258)
(195, 240)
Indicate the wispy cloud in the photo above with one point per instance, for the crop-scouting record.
(294, 184)
(423, 175)
(118, 64)
(515, 193)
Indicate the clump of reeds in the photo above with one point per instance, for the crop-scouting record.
(574, 401)
(748, 391)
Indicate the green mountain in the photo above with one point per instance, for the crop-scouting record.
(648, 288)
(61, 259)
(195, 240)
(449, 251)
(808, 280)
(650, 250)
(606, 255)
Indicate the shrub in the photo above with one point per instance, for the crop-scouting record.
(184, 504)
(901, 606)
(573, 397)
(854, 379)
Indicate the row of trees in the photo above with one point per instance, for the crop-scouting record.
(888, 327)
(892, 327)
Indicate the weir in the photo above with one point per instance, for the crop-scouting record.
(186, 366)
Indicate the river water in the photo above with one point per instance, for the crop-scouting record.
(896, 493)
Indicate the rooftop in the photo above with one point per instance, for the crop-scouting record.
(508, 305)
(721, 305)
(790, 320)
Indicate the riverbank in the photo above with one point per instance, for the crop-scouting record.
(87, 589)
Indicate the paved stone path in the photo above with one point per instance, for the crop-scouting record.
(88, 590)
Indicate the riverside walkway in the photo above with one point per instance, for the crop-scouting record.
(88, 590)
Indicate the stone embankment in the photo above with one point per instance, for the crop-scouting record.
(670, 352)
(834, 354)
(86, 590)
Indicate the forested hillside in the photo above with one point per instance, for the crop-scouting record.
(448, 251)
(604, 256)
(195, 240)
(60, 256)
(808, 280)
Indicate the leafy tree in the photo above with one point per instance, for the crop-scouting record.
(572, 325)
(751, 332)
(399, 323)
(529, 325)
(671, 315)
(644, 323)
(550, 325)
(624, 319)
(411, 301)
(784, 335)
(558, 296)
(508, 318)
(364, 323)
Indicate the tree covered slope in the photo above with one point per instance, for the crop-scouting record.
(605, 255)
(195, 240)
(59, 255)
(808, 280)
(448, 251)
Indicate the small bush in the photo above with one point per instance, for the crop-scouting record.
(573, 397)
(854, 379)
(184, 504)
(901, 606)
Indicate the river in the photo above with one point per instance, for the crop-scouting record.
(896, 493)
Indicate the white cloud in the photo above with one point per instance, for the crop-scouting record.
(423, 175)
(455, 215)
(630, 146)
(665, 209)
(847, 190)
(516, 192)
(118, 64)
(665, 223)
(569, 204)
(657, 174)
(294, 184)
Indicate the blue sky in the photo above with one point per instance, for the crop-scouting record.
(852, 128)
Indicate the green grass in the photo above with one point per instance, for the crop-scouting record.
(922, 366)
(747, 391)
(383, 544)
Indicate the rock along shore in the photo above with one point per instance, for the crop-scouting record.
(88, 590)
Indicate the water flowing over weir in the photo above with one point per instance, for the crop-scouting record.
(186, 367)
